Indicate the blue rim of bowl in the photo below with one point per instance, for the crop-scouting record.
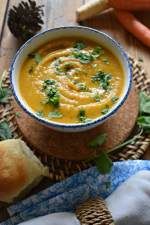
(78, 125)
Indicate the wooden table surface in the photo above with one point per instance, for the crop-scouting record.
(61, 13)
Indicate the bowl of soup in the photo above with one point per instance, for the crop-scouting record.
(71, 79)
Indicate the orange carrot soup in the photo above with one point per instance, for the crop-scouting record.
(71, 81)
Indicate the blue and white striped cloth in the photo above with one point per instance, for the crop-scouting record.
(65, 196)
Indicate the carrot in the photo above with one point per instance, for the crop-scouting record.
(130, 4)
(139, 30)
(91, 8)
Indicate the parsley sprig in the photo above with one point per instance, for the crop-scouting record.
(144, 118)
(5, 131)
(5, 93)
(79, 45)
(86, 57)
(103, 79)
(82, 116)
(51, 91)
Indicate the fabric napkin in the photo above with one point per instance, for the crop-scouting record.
(67, 195)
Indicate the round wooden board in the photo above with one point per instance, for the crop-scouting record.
(74, 146)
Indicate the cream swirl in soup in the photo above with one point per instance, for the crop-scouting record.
(71, 81)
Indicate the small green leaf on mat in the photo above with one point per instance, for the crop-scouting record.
(4, 92)
(55, 114)
(144, 103)
(144, 122)
(98, 141)
(103, 163)
(17, 114)
(5, 132)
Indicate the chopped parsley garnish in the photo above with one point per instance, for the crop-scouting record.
(82, 116)
(114, 99)
(82, 87)
(103, 79)
(36, 56)
(106, 61)
(97, 52)
(79, 45)
(97, 97)
(55, 114)
(87, 57)
(95, 65)
(84, 58)
(51, 91)
(105, 110)
(67, 66)
(58, 70)
(40, 113)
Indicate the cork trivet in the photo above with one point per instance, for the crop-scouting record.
(74, 146)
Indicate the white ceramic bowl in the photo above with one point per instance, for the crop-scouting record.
(75, 31)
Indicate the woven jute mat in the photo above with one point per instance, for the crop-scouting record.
(60, 169)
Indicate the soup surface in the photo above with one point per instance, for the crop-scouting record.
(71, 81)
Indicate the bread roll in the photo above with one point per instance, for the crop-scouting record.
(20, 169)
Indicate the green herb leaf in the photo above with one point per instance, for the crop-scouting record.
(98, 141)
(103, 163)
(144, 103)
(36, 56)
(55, 114)
(40, 113)
(51, 92)
(5, 93)
(144, 122)
(106, 61)
(82, 87)
(5, 132)
(84, 58)
(97, 52)
(17, 114)
(79, 45)
(103, 79)
(114, 99)
(82, 116)
(97, 97)
(105, 110)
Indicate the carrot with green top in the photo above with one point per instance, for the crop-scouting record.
(134, 26)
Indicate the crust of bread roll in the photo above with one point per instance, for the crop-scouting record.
(19, 169)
